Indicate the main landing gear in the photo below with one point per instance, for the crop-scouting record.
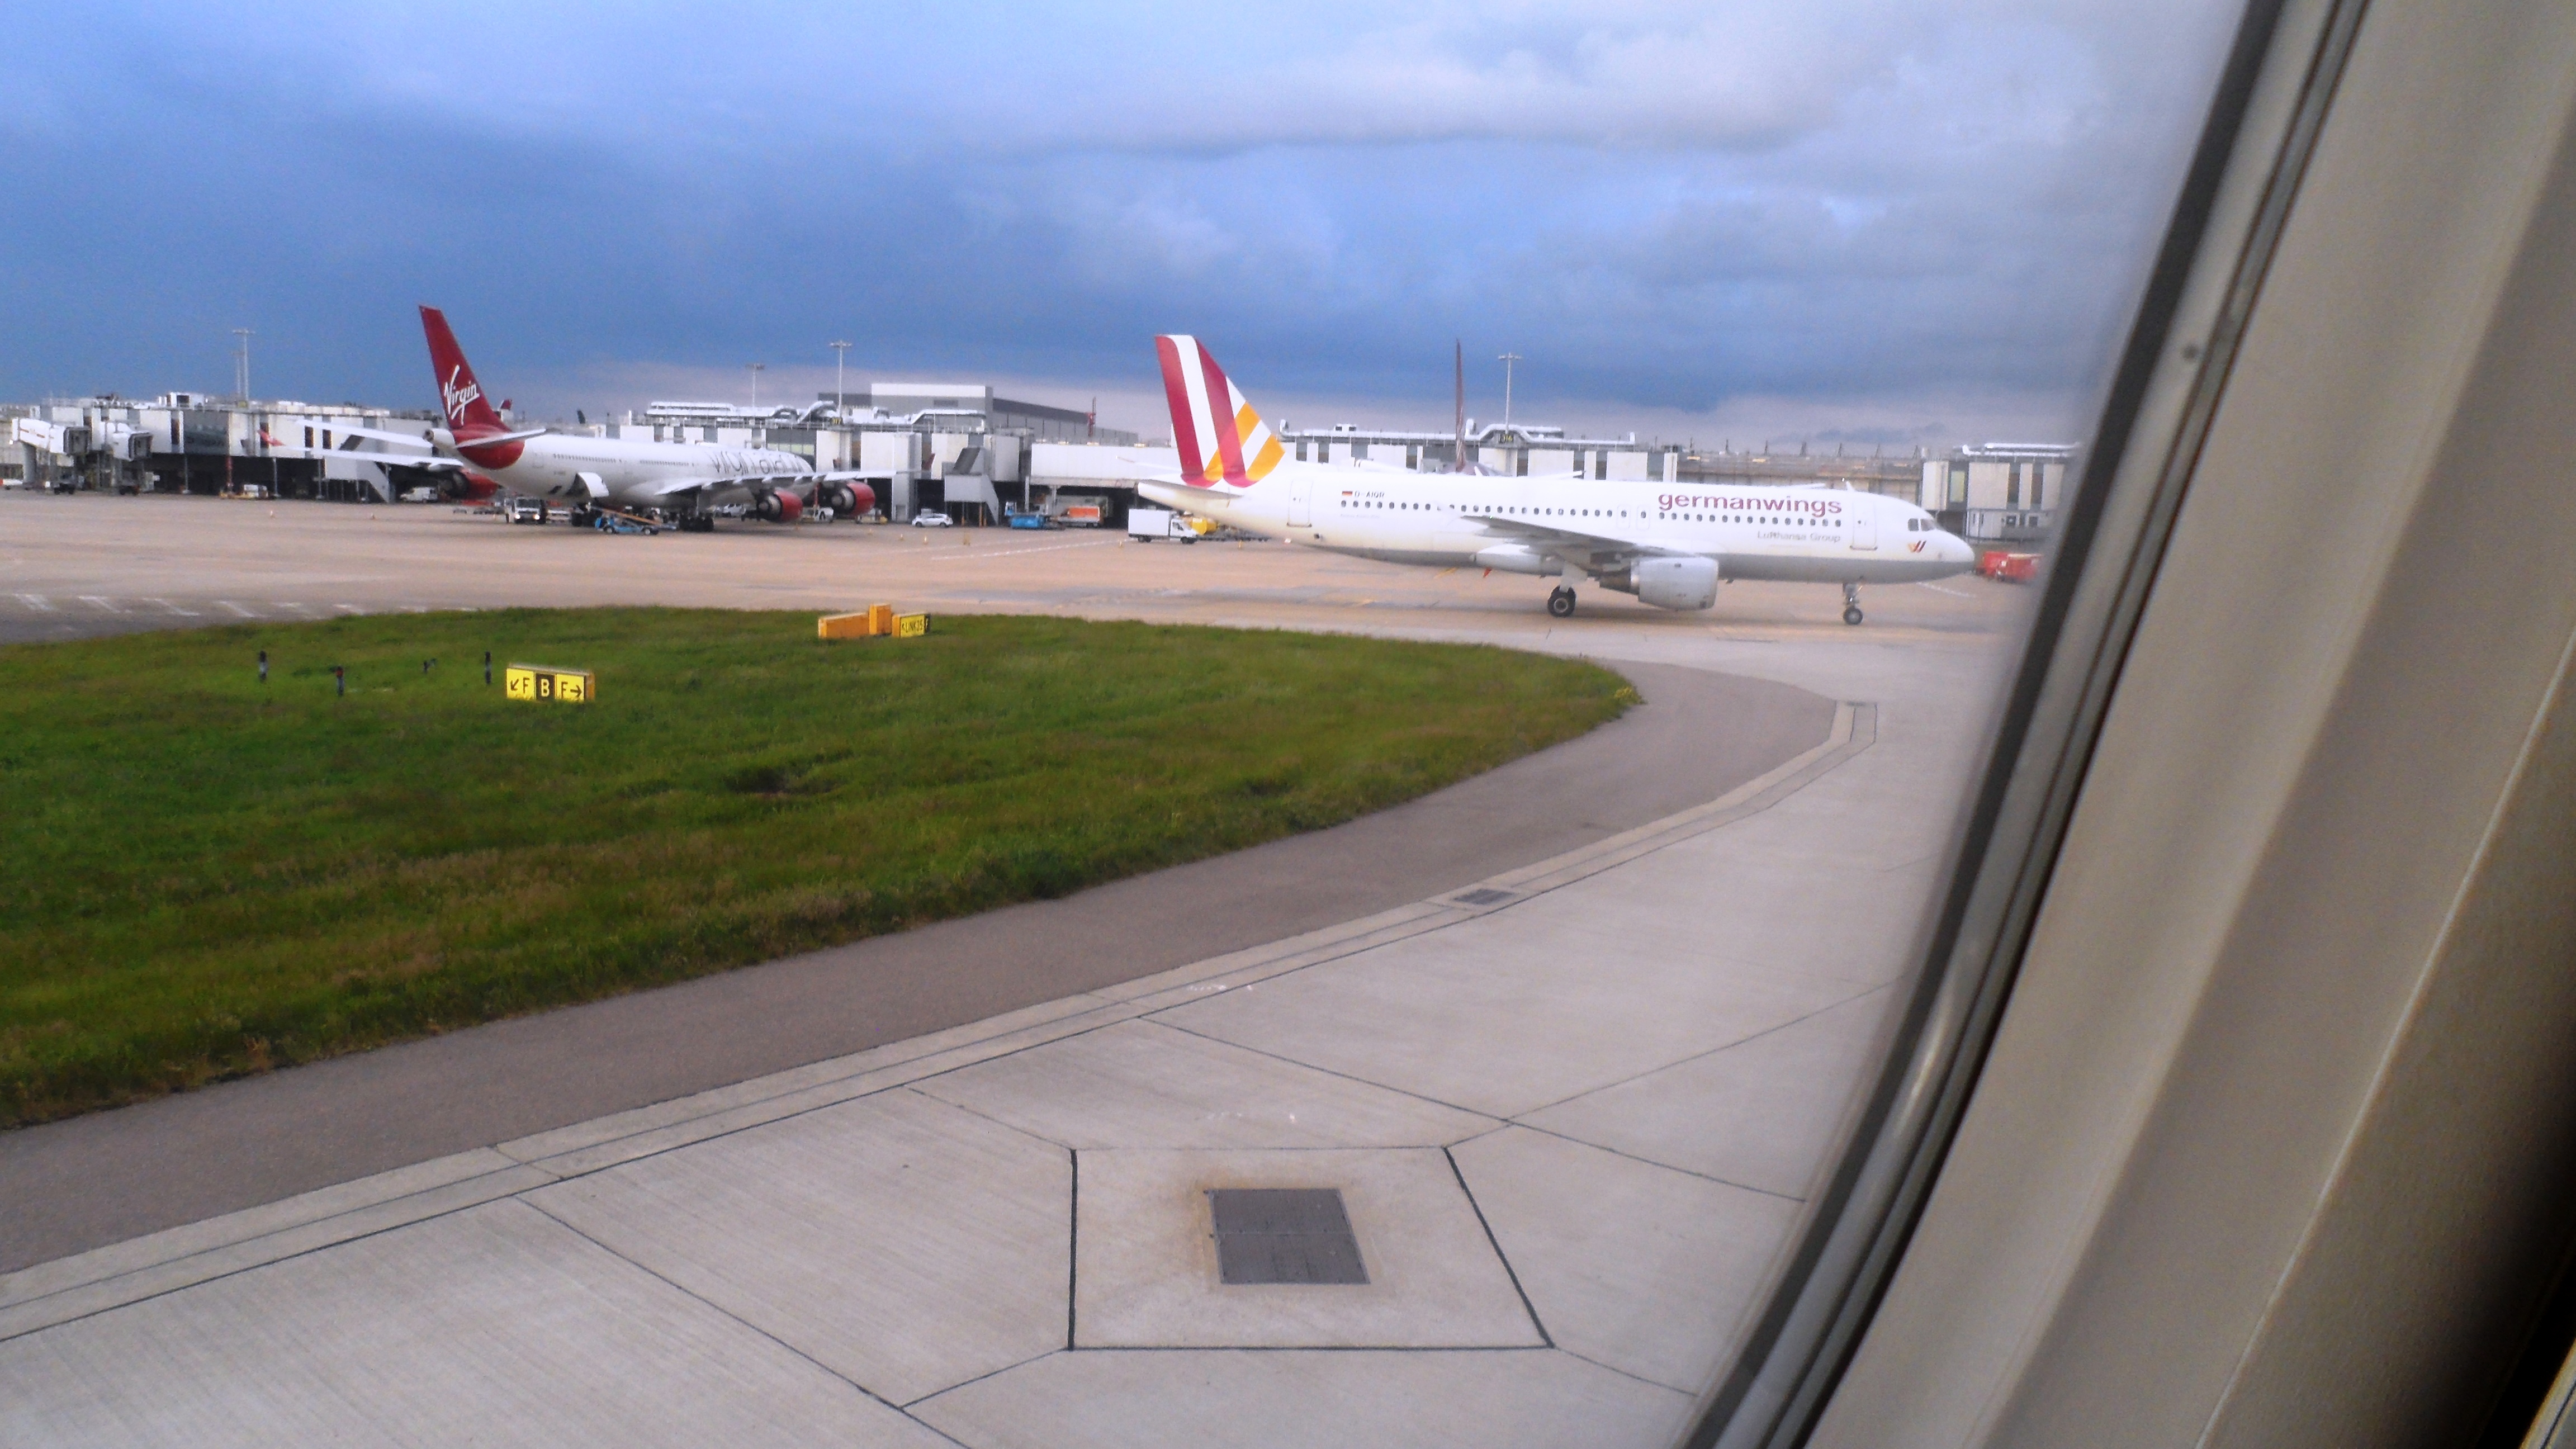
(697, 523)
(1851, 603)
(1561, 602)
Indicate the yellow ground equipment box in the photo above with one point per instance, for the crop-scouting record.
(878, 622)
(539, 681)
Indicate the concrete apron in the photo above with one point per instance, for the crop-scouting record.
(1571, 1125)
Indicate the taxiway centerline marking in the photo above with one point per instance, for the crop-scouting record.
(236, 608)
(101, 604)
(1050, 548)
(37, 602)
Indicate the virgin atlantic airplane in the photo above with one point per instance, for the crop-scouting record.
(682, 480)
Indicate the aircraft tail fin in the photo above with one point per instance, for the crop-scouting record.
(460, 397)
(1222, 441)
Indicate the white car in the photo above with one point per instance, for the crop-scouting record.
(930, 520)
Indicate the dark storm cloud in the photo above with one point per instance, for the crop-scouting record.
(1667, 207)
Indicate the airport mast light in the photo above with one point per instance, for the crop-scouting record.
(241, 362)
(755, 369)
(1507, 359)
(840, 361)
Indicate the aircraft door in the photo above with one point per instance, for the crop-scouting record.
(1864, 532)
(1299, 514)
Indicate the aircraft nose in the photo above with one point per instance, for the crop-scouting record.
(1954, 549)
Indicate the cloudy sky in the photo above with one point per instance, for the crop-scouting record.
(1846, 220)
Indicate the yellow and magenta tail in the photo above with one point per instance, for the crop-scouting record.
(1223, 443)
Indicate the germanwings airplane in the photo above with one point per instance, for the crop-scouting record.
(686, 479)
(1669, 545)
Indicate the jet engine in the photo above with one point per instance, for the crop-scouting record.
(777, 507)
(468, 486)
(1676, 583)
(846, 499)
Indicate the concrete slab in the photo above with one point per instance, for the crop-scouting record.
(1294, 1400)
(1675, 1008)
(492, 1327)
(1560, 995)
(900, 1242)
(1628, 1264)
(1145, 1272)
(1137, 1084)
(1761, 1114)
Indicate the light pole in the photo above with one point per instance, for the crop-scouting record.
(1507, 359)
(755, 370)
(241, 362)
(840, 361)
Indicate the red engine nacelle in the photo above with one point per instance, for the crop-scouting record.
(470, 487)
(778, 507)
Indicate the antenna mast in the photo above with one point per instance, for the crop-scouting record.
(1458, 461)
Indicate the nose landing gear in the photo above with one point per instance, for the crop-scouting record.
(1561, 602)
(1851, 603)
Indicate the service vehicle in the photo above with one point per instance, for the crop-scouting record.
(930, 519)
(1149, 524)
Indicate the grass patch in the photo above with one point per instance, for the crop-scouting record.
(202, 876)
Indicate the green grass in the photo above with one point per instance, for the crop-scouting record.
(202, 876)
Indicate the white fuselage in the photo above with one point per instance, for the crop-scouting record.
(633, 471)
(1805, 534)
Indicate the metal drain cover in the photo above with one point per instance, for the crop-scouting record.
(1484, 896)
(1284, 1235)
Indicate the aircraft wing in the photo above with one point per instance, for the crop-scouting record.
(719, 485)
(417, 440)
(353, 453)
(1589, 550)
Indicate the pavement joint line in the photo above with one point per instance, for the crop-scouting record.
(170, 1275)
(1630, 1374)
(1772, 1193)
(1862, 991)
(1499, 1122)
(1545, 1338)
(724, 1313)
(909, 1405)
(146, 1267)
(1072, 1251)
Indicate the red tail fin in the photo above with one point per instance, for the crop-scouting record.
(459, 395)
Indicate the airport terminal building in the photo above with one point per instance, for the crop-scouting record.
(957, 448)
